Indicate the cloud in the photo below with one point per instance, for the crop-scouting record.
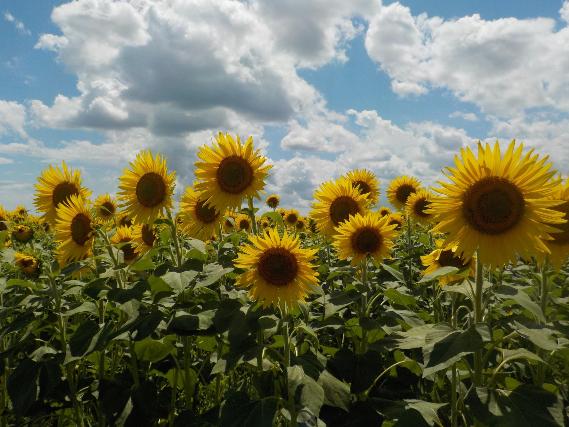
(469, 117)
(564, 11)
(12, 118)
(19, 25)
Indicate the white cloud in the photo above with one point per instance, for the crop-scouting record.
(469, 117)
(12, 118)
(5, 161)
(19, 25)
(564, 11)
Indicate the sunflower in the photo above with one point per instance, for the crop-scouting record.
(243, 222)
(230, 171)
(124, 220)
(447, 257)
(281, 211)
(301, 224)
(124, 238)
(273, 201)
(291, 217)
(265, 223)
(366, 183)
(4, 216)
(497, 204)
(105, 207)
(19, 213)
(396, 219)
(146, 188)
(400, 189)
(55, 185)
(312, 226)
(417, 206)
(26, 263)
(144, 237)
(278, 271)
(3, 226)
(229, 221)
(384, 211)
(335, 202)
(22, 233)
(200, 219)
(73, 230)
(559, 245)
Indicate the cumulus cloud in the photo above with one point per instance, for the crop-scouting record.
(19, 25)
(12, 118)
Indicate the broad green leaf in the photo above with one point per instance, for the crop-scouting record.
(398, 275)
(541, 336)
(336, 392)
(510, 294)
(149, 350)
(22, 385)
(438, 273)
(311, 393)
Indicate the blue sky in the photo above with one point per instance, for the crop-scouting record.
(392, 87)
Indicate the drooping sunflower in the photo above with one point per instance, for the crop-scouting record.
(291, 217)
(384, 211)
(243, 222)
(22, 233)
(364, 235)
(26, 263)
(105, 207)
(146, 188)
(143, 237)
(417, 206)
(396, 219)
(55, 185)
(273, 201)
(124, 238)
(200, 219)
(559, 245)
(335, 202)
(73, 230)
(400, 189)
(366, 182)
(498, 204)
(301, 224)
(447, 257)
(230, 171)
(277, 269)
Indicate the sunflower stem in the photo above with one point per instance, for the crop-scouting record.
(454, 380)
(286, 335)
(363, 347)
(478, 318)
(409, 244)
(176, 241)
(252, 214)
(543, 298)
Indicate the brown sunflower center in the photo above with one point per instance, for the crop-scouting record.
(384, 212)
(403, 192)
(278, 266)
(107, 209)
(396, 222)
(300, 225)
(125, 221)
(366, 240)
(148, 236)
(562, 237)
(62, 192)
(273, 202)
(3, 226)
(342, 208)
(244, 224)
(447, 258)
(81, 229)
(234, 174)
(493, 205)
(128, 252)
(420, 207)
(291, 218)
(27, 262)
(362, 186)
(205, 213)
(151, 190)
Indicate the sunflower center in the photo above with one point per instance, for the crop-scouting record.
(384, 212)
(291, 218)
(273, 202)
(244, 224)
(80, 229)
(3, 226)
(27, 262)
(125, 221)
(62, 192)
(278, 266)
(403, 192)
(148, 235)
(366, 240)
(234, 174)
(447, 258)
(362, 186)
(420, 207)
(342, 208)
(107, 208)
(128, 252)
(150, 190)
(396, 222)
(205, 213)
(562, 237)
(493, 205)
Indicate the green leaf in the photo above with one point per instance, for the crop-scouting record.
(83, 340)
(145, 263)
(301, 385)
(336, 392)
(22, 386)
(275, 217)
(439, 272)
(509, 294)
(238, 411)
(157, 285)
(417, 337)
(22, 284)
(184, 323)
(520, 353)
(213, 273)
(398, 275)
(540, 336)
(149, 350)
(398, 298)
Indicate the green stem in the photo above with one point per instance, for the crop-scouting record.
(175, 240)
(173, 395)
(363, 347)
(101, 367)
(4, 389)
(260, 339)
(454, 380)
(543, 296)
(409, 252)
(286, 335)
(133, 363)
(252, 214)
(188, 388)
(478, 319)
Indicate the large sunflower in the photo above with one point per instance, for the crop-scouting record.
(143, 237)
(559, 245)
(55, 185)
(497, 204)
(335, 202)
(417, 206)
(447, 257)
(105, 207)
(146, 188)
(124, 238)
(400, 189)
(230, 171)
(74, 230)
(200, 219)
(363, 235)
(277, 269)
(366, 183)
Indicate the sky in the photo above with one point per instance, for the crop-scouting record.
(323, 86)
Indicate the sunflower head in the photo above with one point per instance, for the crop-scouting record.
(105, 207)
(335, 202)
(4, 215)
(22, 233)
(20, 213)
(124, 239)
(400, 189)
(366, 183)
(277, 270)
(282, 212)
(144, 237)
(243, 222)
(200, 219)
(291, 217)
(417, 206)
(230, 171)
(396, 219)
(273, 201)
(265, 223)
(497, 203)
(384, 211)
(559, 244)
(74, 230)
(229, 221)
(146, 188)
(55, 186)
(447, 256)
(301, 224)
(27, 264)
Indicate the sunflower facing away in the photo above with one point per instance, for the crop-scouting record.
(497, 203)
(291, 217)
(417, 206)
(277, 270)
(73, 230)
(105, 207)
(124, 239)
(230, 171)
(400, 189)
(55, 185)
(559, 245)
(335, 202)
(26, 263)
(273, 201)
(22, 233)
(143, 237)
(146, 188)
(384, 211)
(364, 235)
(447, 257)
(243, 222)
(366, 183)
(200, 219)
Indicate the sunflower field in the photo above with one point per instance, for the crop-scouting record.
(451, 308)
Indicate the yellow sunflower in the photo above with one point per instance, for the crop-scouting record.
(277, 270)
(291, 217)
(73, 230)
(417, 206)
(364, 235)
(200, 219)
(19, 213)
(230, 171)
(448, 257)
(26, 263)
(384, 211)
(146, 188)
(400, 189)
(265, 222)
(281, 211)
(124, 238)
(396, 219)
(301, 224)
(229, 221)
(55, 185)
(273, 201)
(497, 203)
(559, 245)
(22, 233)
(335, 202)
(143, 237)
(105, 207)
(4, 215)
(243, 222)
(124, 220)
(366, 183)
